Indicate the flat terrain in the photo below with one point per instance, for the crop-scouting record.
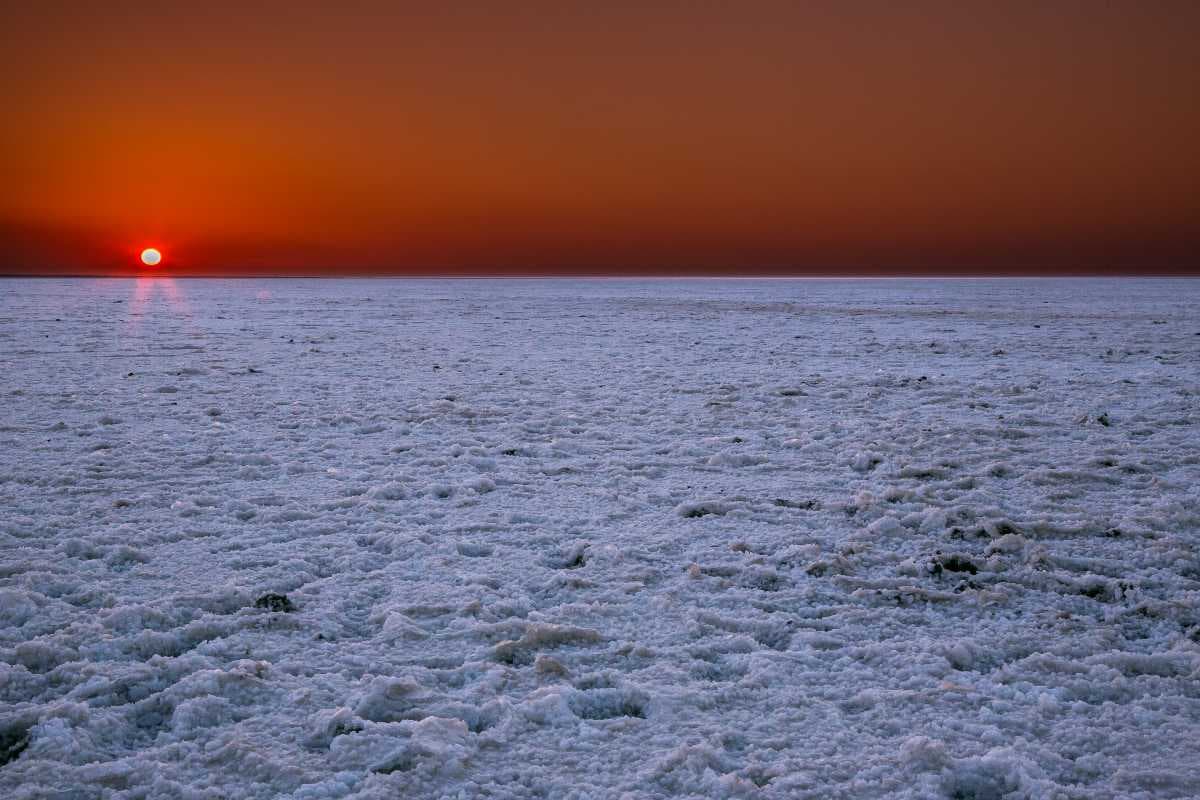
(600, 539)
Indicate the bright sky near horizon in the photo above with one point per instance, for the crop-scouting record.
(544, 136)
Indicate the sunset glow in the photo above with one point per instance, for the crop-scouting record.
(654, 137)
(151, 257)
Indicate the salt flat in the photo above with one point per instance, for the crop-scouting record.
(600, 539)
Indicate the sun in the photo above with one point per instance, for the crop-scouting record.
(151, 257)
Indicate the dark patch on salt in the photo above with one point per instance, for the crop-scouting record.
(957, 563)
(12, 743)
(804, 505)
(275, 602)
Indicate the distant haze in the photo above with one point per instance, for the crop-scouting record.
(660, 137)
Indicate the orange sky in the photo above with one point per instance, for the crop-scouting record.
(649, 137)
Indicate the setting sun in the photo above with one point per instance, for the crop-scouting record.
(151, 257)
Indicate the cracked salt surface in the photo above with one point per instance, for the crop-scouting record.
(592, 539)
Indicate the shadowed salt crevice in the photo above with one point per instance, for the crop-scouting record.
(597, 704)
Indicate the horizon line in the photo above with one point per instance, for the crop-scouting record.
(1191, 272)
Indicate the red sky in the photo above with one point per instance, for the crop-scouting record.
(653, 137)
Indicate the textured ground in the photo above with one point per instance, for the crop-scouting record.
(603, 539)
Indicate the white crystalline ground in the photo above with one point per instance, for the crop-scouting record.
(600, 539)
